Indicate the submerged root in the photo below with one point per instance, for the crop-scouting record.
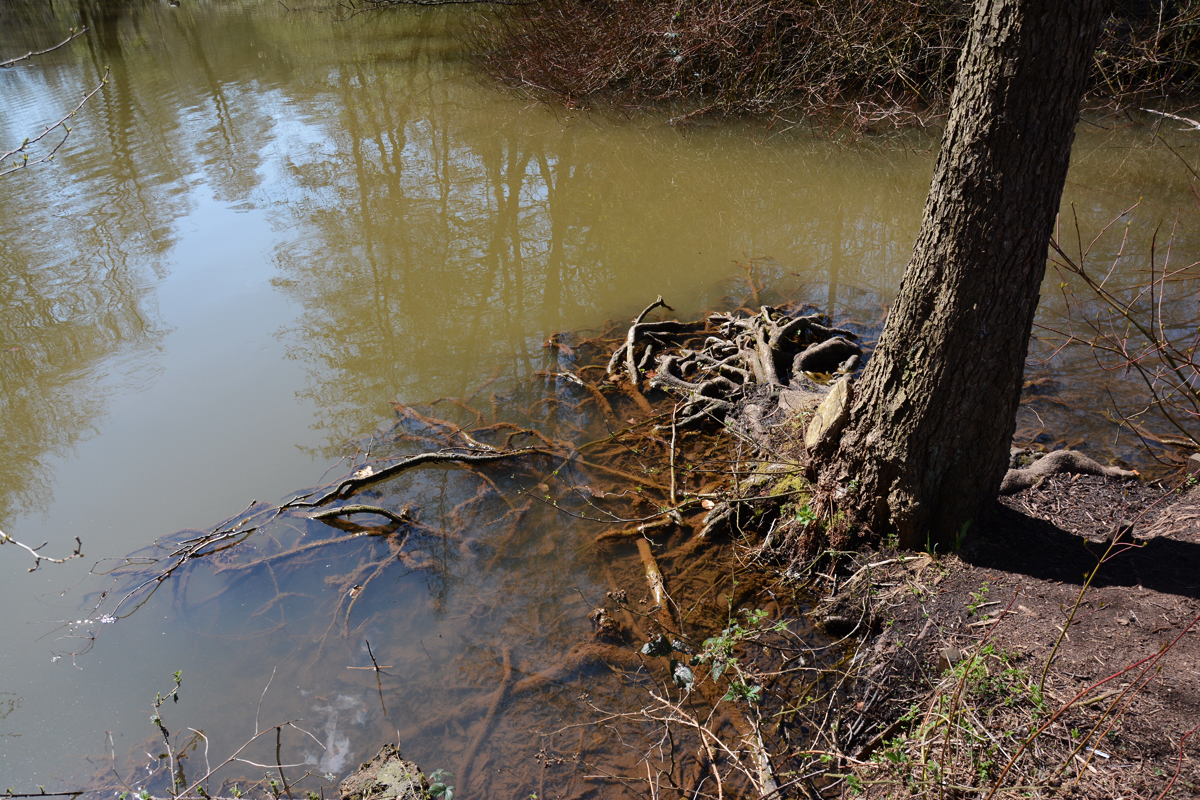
(636, 480)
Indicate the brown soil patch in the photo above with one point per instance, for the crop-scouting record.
(1013, 586)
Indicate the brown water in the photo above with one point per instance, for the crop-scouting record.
(271, 223)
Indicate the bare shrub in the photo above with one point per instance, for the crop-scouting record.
(743, 56)
(876, 60)
(1142, 334)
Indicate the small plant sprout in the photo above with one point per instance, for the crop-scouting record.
(438, 788)
(960, 538)
(978, 598)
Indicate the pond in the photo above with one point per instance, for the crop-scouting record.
(273, 222)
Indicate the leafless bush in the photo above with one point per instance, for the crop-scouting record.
(743, 56)
(875, 60)
(1143, 333)
(1151, 49)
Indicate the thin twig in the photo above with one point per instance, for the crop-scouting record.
(37, 557)
(4, 64)
(61, 123)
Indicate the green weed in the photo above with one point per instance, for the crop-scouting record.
(978, 598)
(719, 653)
(438, 786)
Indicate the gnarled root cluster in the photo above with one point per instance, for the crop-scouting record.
(737, 353)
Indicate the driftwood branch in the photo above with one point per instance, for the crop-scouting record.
(229, 535)
(353, 484)
(359, 508)
(38, 558)
(1190, 122)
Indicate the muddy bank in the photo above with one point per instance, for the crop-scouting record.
(387, 776)
(1041, 655)
(1050, 654)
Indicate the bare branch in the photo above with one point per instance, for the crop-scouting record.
(74, 34)
(358, 508)
(38, 558)
(1191, 122)
(26, 162)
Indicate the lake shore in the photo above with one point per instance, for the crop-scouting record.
(951, 658)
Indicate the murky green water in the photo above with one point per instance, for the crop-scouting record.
(271, 223)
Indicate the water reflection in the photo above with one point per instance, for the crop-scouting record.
(440, 249)
(74, 276)
(487, 583)
(1128, 207)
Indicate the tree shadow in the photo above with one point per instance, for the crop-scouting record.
(1013, 541)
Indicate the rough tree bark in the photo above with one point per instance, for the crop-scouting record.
(927, 439)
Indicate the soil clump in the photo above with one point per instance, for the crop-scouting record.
(387, 776)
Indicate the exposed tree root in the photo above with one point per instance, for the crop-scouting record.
(1054, 463)
(691, 491)
(739, 353)
(636, 479)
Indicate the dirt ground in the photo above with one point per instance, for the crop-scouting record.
(1127, 669)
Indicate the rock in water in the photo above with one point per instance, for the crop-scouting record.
(826, 356)
(387, 776)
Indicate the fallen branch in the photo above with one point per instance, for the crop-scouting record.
(358, 508)
(38, 558)
(1193, 123)
(353, 484)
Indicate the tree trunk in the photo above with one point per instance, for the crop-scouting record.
(927, 440)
